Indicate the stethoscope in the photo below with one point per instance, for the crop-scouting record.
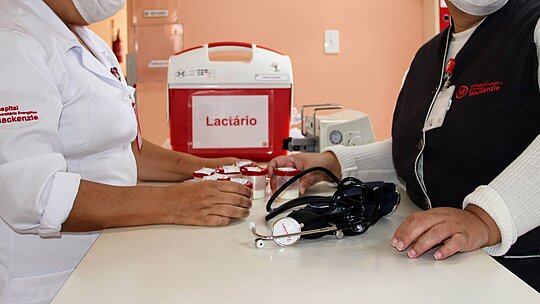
(287, 231)
(351, 219)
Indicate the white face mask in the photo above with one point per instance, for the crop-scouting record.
(479, 7)
(98, 10)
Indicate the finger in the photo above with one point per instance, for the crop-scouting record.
(216, 221)
(431, 238)
(305, 182)
(457, 243)
(413, 227)
(232, 187)
(234, 200)
(230, 211)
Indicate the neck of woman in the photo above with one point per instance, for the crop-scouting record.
(463, 21)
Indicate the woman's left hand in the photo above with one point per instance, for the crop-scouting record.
(459, 230)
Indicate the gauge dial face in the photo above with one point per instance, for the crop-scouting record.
(336, 137)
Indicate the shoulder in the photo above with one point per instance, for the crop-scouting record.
(19, 29)
(10, 13)
(21, 46)
(433, 47)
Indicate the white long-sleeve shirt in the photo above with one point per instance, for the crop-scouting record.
(511, 199)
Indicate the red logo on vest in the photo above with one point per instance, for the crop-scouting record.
(462, 92)
(479, 89)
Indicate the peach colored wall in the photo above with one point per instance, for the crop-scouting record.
(107, 28)
(378, 41)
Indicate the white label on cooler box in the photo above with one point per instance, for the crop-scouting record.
(230, 121)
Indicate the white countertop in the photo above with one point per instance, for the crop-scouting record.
(182, 264)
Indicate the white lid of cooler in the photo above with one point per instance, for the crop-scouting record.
(192, 68)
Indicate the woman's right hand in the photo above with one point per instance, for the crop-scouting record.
(207, 203)
(304, 161)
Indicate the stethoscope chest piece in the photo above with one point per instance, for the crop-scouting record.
(288, 227)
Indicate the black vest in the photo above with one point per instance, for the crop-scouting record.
(494, 115)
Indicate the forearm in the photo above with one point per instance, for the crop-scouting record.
(158, 164)
(98, 206)
(367, 162)
(155, 163)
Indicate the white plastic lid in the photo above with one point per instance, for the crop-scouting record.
(217, 177)
(243, 181)
(229, 170)
(254, 171)
(203, 172)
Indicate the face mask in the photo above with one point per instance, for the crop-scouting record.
(98, 10)
(479, 7)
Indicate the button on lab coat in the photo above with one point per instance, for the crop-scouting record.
(63, 117)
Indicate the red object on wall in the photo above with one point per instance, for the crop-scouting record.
(117, 47)
(444, 15)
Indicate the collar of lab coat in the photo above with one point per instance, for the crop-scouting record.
(99, 63)
(101, 60)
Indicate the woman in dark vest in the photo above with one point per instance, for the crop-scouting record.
(465, 139)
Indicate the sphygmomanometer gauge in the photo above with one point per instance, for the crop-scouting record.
(336, 137)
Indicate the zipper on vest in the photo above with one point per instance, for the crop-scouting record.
(419, 162)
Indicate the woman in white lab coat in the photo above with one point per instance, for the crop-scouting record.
(67, 124)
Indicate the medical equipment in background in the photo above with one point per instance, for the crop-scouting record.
(351, 210)
(230, 108)
(345, 127)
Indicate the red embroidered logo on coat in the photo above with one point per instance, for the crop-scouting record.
(479, 89)
(10, 115)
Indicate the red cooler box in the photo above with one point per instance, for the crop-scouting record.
(230, 108)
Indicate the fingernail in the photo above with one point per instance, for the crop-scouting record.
(411, 253)
(400, 246)
(394, 242)
(438, 255)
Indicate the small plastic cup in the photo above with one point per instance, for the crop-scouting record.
(283, 175)
(231, 171)
(257, 176)
(201, 173)
(217, 177)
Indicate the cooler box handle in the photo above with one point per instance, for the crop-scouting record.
(258, 52)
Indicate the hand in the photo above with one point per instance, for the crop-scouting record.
(459, 230)
(207, 203)
(304, 161)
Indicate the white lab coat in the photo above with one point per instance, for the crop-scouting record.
(63, 117)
